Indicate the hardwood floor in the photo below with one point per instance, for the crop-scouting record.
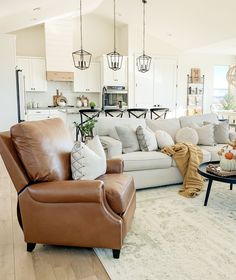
(46, 262)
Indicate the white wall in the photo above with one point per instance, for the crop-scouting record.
(206, 63)
(8, 111)
(97, 35)
(30, 41)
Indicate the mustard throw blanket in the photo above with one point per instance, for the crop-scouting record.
(187, 157)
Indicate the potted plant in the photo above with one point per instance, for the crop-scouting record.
(92, 104)
(85, 129)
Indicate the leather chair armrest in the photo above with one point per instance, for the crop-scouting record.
(115, 166)
(67, 192)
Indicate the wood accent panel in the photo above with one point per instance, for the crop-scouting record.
(60, 76)
(46, 262)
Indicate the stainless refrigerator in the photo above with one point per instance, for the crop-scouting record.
(20, 92)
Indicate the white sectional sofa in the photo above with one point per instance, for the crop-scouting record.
(154, 168)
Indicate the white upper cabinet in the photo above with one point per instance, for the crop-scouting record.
(59, 45)
(158, 85)
(114, 78)
(34, 71)
(88, 80)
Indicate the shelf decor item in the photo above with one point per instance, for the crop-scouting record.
(114, 58)
(195, 93)
(81, 57)
(196, 75)
(144, 61)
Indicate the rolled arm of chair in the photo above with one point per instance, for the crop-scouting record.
(67, 192)
(115, 166)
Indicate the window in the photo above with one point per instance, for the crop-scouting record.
(221, 87)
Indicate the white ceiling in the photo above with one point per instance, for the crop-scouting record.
(203, 25)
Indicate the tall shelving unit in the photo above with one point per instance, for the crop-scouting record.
(195, 96)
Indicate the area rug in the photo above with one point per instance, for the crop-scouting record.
(177, 238)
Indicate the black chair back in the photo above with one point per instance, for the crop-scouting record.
(118, 113)
(137, 112)
(158, 113)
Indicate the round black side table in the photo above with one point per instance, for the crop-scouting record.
(212, 177)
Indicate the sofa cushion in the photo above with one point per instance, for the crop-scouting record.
(187, 135)
(128, 139)
(206, 157)
(146, 139)
(145, 160)
(105, 126)
(205, 134)
(171, 126)
(213, 150)
(187, 121)
(119, 190)
(88, 161)
(221, 132)
(44, 148)
(163, 139)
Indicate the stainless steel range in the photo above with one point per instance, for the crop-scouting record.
(114, 96)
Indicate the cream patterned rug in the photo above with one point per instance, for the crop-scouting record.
(177, 238)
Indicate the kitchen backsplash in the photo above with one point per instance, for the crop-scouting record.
(45, 99)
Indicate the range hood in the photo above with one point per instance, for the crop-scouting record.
(60, 76)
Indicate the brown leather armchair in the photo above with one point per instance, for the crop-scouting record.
(56, 210)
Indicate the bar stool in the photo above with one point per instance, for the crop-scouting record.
(118, 113)
(137, 112)
(85, 116)
(159, 112)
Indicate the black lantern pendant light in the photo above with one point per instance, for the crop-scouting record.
(114, 58)
(81, 57)
(144, 61)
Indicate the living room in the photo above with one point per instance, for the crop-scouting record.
(117, 140)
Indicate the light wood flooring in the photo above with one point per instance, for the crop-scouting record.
(46, 262)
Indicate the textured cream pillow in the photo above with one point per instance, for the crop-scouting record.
(187, 135)
(163, 139)
(205, 134)
(88, 162)
(146, 139)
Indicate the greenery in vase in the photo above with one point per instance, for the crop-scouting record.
(86, 129)
(92, 104)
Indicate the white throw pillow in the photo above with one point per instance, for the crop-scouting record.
(187, 135)
(163, 139)
(146, 139)
(128, 139)
(205, 134)
(88, 162)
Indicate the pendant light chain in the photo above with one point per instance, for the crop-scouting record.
(81, 58)
(81, 26)
(144, 26)
(115, 25)
(114, 59)
(144, 61)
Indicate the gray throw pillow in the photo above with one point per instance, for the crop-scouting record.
(128, 139)
(205, 134)
(221, 132)
(146, 139)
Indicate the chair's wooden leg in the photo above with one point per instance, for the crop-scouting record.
(30, 247)
(116, 254)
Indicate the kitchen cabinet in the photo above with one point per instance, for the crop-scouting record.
(158, 85)
(114, 78)
(34, 71)
(43, 114)
(88, 80)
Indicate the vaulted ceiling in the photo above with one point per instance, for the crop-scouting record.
(204, 25)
